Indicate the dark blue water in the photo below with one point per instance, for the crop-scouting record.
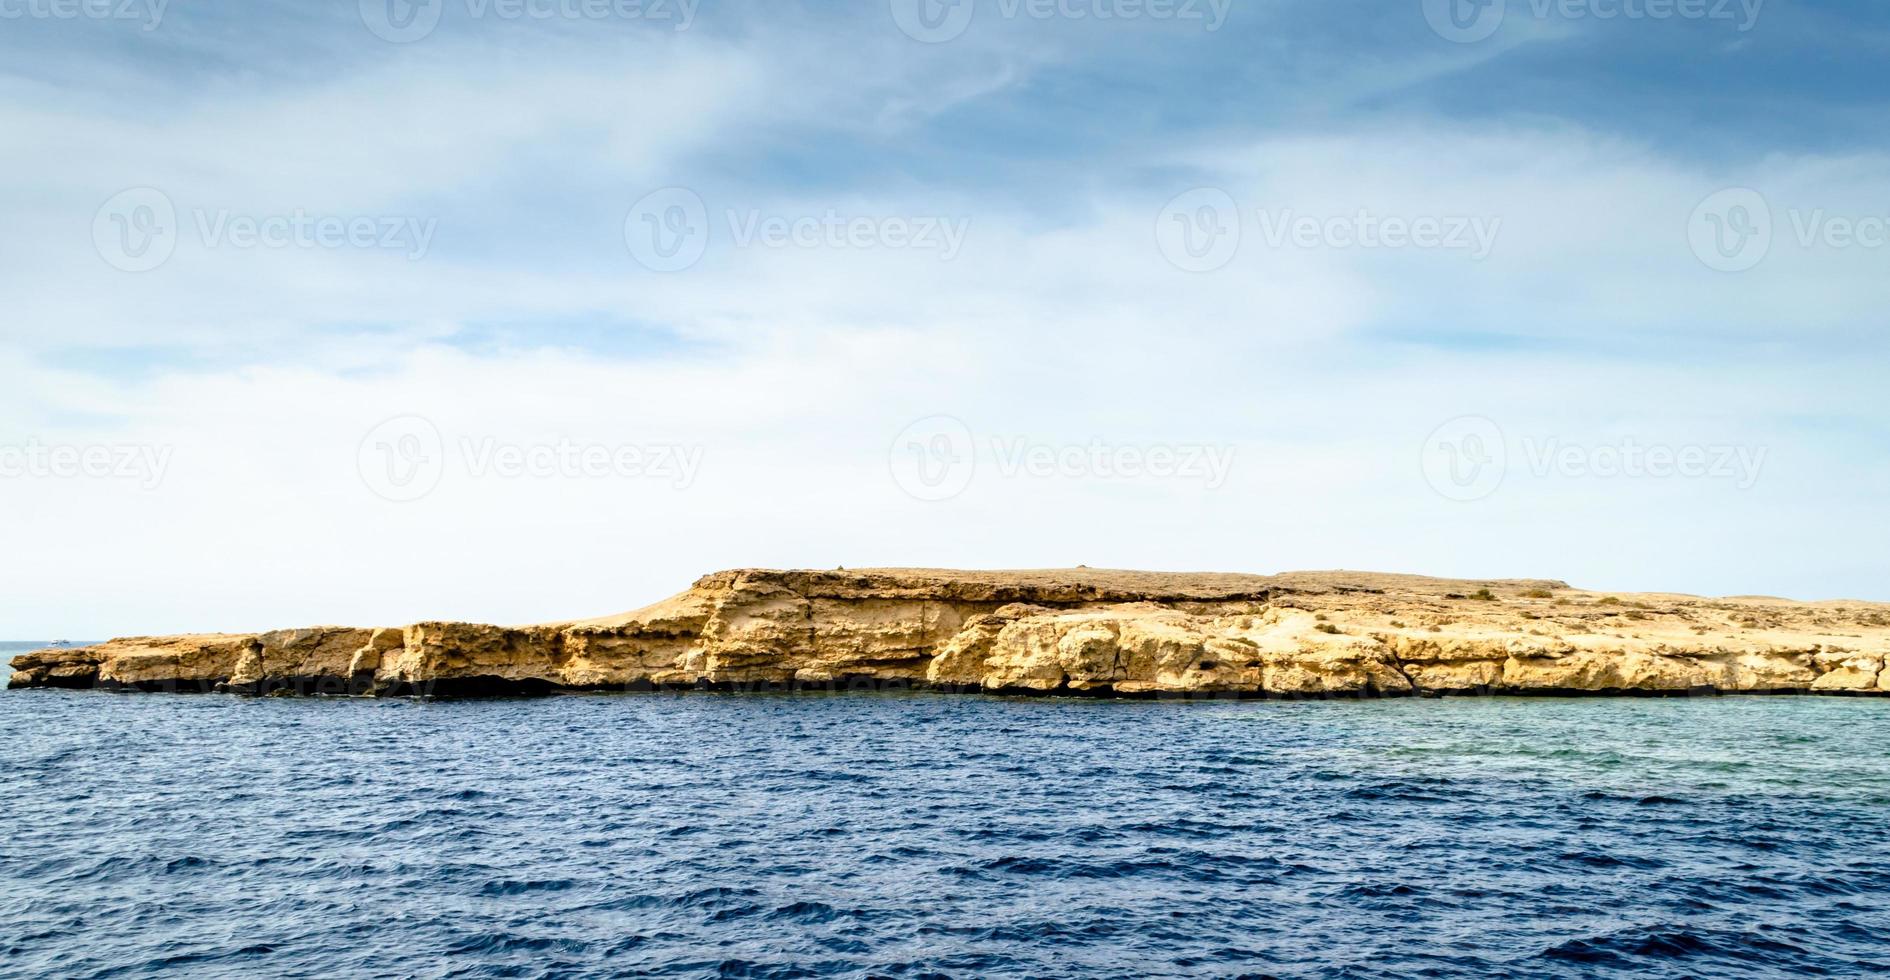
(933, 835)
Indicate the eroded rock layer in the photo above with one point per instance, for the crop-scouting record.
(1305, 634)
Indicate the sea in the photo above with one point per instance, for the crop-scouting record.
(934, 835)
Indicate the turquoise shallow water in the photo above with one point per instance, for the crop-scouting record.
(917, 835)
(11, 648)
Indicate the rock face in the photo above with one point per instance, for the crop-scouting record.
(1304, 634)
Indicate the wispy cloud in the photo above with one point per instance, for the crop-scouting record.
(985, 229)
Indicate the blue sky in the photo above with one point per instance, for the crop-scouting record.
(505, 165)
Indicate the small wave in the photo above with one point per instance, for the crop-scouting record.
(1625, 948)
(542, 839)
(526, 887)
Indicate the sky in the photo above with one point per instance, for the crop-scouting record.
(526, 310)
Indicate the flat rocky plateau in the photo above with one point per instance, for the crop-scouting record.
(1059, 631)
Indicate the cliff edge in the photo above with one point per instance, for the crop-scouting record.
(1301, 634)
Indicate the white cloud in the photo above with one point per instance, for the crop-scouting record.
(1059, 322)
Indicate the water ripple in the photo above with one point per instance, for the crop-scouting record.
(925, 836)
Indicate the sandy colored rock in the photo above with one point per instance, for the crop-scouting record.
(381, 642)
(192, 662)
(1089, 631)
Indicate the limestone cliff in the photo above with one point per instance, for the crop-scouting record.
(1305, 634)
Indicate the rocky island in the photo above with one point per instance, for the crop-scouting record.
(1067, 631)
